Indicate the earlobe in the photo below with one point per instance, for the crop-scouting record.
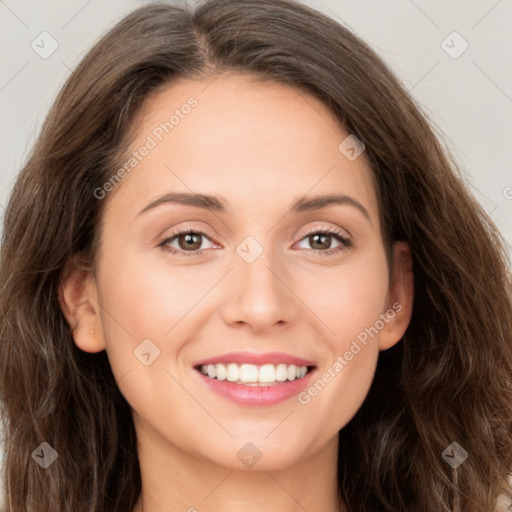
(77, 295)
(400, 297)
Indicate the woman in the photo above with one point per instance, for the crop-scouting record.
(240, 272)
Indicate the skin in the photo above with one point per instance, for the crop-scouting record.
(260, 147)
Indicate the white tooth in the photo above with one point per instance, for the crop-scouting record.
(281, 372)
(267, 373)
(233, 373)
(303, 371)
(292, 371)
(249, 373)
(297, 373)
(221, 372)
(211, 371)
(204, 369)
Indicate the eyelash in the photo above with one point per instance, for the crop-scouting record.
(345, 242)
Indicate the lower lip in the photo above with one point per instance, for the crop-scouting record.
(257, 395)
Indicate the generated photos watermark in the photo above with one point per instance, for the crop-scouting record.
(152, 140)
(343, 360)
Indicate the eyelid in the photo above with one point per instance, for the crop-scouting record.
(332, 230)
(187, 228)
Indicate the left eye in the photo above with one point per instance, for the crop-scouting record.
(325, 238)
(188, 241)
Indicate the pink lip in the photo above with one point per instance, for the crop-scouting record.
(257, 395)
(257, 359)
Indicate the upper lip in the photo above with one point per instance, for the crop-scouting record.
(258, 359)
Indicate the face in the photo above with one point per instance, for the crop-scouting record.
(220, 257)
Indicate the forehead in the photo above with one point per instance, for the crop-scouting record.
(251, 142)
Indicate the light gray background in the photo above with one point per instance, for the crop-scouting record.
(469, 98)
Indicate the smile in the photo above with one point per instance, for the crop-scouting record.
(256, 379)
(252, 375)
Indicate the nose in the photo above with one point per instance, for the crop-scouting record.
(259, 295)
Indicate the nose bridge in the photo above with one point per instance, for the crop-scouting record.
(256, 293)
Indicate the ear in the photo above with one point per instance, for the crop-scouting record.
(400, 297)
(78, 299)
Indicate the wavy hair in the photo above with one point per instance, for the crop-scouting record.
(449, 378)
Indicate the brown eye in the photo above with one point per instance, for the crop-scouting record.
(186, 242)
(320, 241)
(189, 241)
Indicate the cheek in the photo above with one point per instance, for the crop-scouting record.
(349, 304)
(350, 298)
(145, 296)
(137, 305)
(142, 306)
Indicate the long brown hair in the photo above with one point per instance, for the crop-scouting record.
(449, 378)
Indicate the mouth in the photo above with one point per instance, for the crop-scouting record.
(256, 379)
(252, 375)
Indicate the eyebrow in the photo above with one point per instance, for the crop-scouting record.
(217, 204)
